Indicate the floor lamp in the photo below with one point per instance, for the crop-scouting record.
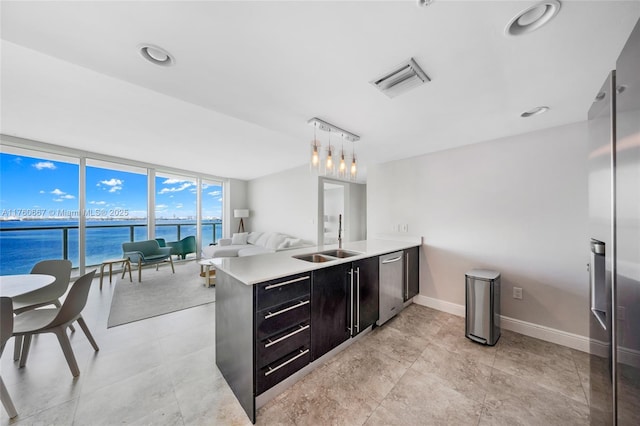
(241, 213)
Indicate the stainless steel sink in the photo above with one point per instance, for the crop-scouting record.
(326, 256)
(314, 257)
(339, 253)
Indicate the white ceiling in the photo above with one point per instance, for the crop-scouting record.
(248, 76)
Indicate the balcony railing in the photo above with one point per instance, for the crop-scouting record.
(23, 246)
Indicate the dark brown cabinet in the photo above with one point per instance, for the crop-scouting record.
(344, 302)
(283, 330)
(411, 272)
(366, 294)
(330, 307)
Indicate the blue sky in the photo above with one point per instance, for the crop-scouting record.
(43, 188)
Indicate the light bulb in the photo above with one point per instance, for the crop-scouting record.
(315, 157)
(329, 161)
(354, 169)
(343, 165)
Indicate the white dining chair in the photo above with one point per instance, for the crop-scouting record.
(6, 330)
(56, 320)
(48, 295)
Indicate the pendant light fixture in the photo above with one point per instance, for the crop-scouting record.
(315, 150)
(353, 172)
(329, 166)
(342, 166)
(344, 170)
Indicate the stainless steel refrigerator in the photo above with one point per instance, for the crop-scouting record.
(614, 227)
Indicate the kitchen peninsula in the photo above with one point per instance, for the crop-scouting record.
(280, 315)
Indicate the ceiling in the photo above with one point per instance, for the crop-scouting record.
(248, 76)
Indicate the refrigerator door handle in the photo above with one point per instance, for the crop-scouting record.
(597, 282)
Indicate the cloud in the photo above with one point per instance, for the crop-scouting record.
(115, 188)
(42, 191)
(62, 195)
(173, 181)
(112, 182)
(98, 203)
(41, 165)
(161, 206)
(214, 193)
(182, 187)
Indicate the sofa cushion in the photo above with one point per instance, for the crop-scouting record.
(253, 237)
(250, 250)
(241, 238)
(275, 240)
(222, 251)
(262, 239)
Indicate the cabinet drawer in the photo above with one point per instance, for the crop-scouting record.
(275, 320)
(276, 292)
(279, 370)
(279, 345)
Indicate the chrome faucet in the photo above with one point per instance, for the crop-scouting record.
(339, 231)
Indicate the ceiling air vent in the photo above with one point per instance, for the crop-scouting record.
(404, 77)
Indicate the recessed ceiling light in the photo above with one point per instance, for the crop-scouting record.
(532, 18)
(535, 111)
(156, 55)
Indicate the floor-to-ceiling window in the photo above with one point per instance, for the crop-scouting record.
(116, 206)
(39, 209)
(41, 203)
(211, 211)
(176, 209)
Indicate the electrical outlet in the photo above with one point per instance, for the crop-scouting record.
(517, 293)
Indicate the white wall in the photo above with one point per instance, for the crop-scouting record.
(517, 205)
(285, 202)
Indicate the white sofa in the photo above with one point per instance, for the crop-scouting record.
(252, 243)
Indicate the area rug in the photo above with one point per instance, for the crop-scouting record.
(159, 293)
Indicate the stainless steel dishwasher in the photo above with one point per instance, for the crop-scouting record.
(391, 286)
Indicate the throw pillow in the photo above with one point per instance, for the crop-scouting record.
(262, 239)
(294, 242)
(253, 237)
(239, 239)
(275, 240)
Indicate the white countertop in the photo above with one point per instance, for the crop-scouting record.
(252, 270)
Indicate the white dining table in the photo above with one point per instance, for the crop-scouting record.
(15, 285)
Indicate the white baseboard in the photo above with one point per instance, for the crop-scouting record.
(629, 356)
(441, 305)
(574, 341)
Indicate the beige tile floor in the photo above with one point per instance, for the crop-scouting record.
(418, 369)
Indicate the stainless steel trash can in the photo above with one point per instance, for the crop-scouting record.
(482, 322)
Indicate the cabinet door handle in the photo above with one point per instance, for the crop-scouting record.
(358, 300)
(269, 287)
(282, 311)
(273, 370)
(406, 279)
(351, 302)
(285, 337)
(395, 259)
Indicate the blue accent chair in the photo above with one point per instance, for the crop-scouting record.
(146, 252)
(180, 248)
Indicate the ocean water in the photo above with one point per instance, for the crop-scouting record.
(22, 246)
